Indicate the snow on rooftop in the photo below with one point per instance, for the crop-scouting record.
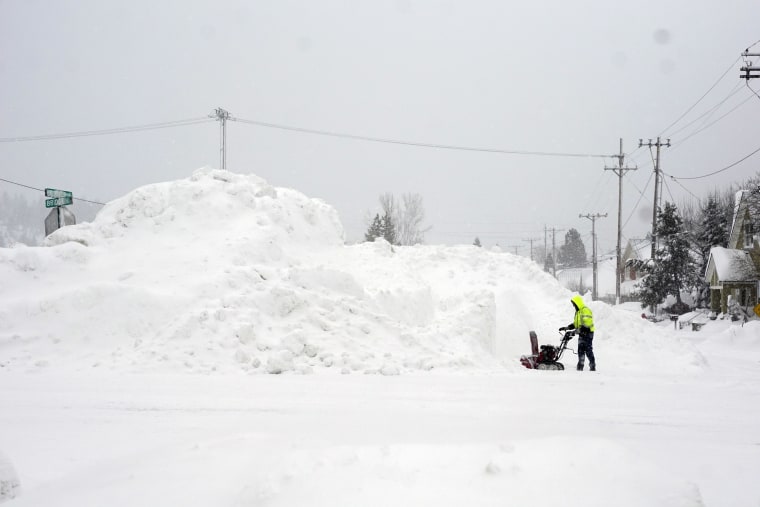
(732, 265)
(223, 272)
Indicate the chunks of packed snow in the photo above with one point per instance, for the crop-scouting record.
(9, 483)
(222, 271)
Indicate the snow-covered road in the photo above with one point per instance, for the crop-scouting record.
(543, 438)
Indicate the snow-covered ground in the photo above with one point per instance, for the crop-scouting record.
(138, 356)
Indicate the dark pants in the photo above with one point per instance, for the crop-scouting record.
(586, 348)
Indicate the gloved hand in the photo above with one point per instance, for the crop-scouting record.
(563, 328)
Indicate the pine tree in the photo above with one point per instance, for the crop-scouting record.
(573, 253)
(548, 263)
(477, 241)
(712, 230)
(672, 268)
(375, 229)
(388, 229)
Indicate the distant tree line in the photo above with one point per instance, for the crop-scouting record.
(401, 221)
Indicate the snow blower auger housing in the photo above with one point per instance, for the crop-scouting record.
(546, 357)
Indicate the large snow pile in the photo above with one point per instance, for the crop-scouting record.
(224, 272)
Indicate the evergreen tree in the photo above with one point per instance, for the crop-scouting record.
(381, 227)
(753, 201)
(573, 253)
(477, 241)
(712, 230)
(672, 268)
(549, 263)
(388, 229)
(375, 229)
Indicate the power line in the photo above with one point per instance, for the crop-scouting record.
(710, 111)
(20, 184)
(730, 67)
(417, 144)
(752, 89)
(682, 140)
(682, 186)
(718, 171)
(667, 187)
(42, 190)
(637, 202)
(119, 130)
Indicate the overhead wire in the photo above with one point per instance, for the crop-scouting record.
(682, 186)
(719, 170)
(702, 128)
(417, 144)
(682, 140)
(103, 132)
(702, 97)
(737, 88)
(635, 207)
(42, 190)
(752, 89)
(667, 187)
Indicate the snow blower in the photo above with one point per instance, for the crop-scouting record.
(547, 357)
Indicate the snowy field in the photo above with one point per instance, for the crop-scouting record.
(212, 342)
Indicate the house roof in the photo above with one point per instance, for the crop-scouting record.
(731, 265)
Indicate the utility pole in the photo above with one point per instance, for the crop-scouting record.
(222, 116)
(515, 247)
(657, 184)
(593, 247)
(554, 251)
(620, 171)
(531, 240)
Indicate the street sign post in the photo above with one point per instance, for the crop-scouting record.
(59, 216)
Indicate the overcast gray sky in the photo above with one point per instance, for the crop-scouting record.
(544, 76)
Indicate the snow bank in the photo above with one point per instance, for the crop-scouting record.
(223, 272)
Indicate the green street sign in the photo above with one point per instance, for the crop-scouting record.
(58, 201)
(52, 192)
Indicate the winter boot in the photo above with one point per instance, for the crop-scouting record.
(592, 366)
(579, 367)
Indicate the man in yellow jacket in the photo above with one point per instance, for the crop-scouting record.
(584, 323)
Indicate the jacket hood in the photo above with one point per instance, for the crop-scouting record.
(577, 300)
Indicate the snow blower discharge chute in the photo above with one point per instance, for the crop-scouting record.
(547, 357)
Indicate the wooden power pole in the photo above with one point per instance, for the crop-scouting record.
(656, 203)
(593, 218)
(619, 171)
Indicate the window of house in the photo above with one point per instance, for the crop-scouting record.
(749, 235)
